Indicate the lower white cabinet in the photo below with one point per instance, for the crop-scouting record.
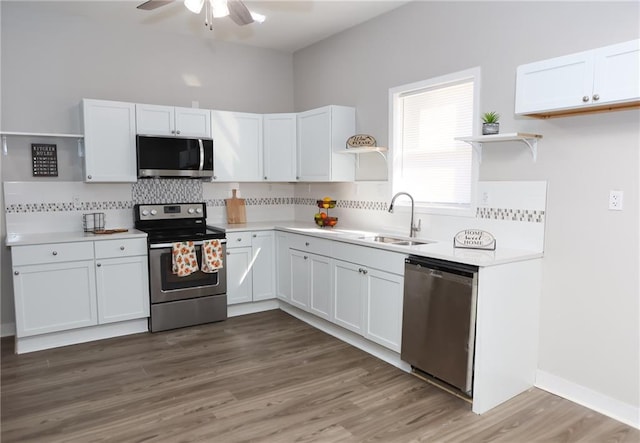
(63, 286)
(383, 308)
(250, 266)
(349, 296)
(311, 283)
(52, 297)
(283, 266)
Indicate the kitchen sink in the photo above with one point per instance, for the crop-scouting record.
(394, 240)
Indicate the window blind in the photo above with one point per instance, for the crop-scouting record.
(433, 167)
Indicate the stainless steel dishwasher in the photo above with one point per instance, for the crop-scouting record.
(438, 324)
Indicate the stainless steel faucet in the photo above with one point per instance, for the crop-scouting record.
(412, 229)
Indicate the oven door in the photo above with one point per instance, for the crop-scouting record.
(165, 286)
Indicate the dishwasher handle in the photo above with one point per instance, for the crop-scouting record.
(442, 265)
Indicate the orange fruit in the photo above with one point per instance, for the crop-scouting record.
(323, 215)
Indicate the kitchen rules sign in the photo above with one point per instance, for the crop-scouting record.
(44, 160)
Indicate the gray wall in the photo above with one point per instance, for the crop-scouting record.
(589, 333)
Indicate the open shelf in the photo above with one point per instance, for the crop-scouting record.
(4, 135)
(357, 151)
(531, 140)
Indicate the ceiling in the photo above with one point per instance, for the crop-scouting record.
(290, 24)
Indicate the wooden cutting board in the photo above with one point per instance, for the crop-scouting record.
(110, 231)
(236, 210)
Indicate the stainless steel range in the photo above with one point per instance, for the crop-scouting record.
(179, 301)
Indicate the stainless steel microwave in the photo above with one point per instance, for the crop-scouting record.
(174, 156)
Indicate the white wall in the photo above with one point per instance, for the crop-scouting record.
(589, 334)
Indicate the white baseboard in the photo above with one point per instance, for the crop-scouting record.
(623, 412)
(251, 308)
(7, 329)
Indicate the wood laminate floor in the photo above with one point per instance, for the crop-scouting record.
(262, 377)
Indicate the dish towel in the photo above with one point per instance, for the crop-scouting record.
(184, 261)
(211, 256)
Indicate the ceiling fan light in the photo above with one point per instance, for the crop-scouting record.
(194, 6)
(219, 8)
(259, 18)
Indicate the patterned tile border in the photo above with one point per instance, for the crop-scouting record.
(156, 195)
(156, 190)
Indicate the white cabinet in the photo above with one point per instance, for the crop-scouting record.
(604, 77)
(121, 280)
(173, 121)
(311, 283)
(109, 141)
(321, 134)
(349, 296)
(279, 147)
(64, 286)
(250, 266)
(237, 146)
(283, 267)
(383, 308)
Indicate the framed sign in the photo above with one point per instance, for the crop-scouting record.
(44, 160)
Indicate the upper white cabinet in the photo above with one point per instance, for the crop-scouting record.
(110, 141)
(237, 146)
(601, 78)
(170, 120)
(279, 147)
(321, 134)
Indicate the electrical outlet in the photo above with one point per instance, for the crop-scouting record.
(615, 200)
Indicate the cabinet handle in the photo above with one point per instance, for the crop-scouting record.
(173, 132)
(265, 177)
(54, 253)
(122, 248)
(238, 239)
(306, 243)
(16, 272)
(98, 264)
(297, 178)
(255, 235)
(596, 97)
(215, 177)
(177, 132)
(89, 177)
(305, 257)
(365, 272)
(585, 98)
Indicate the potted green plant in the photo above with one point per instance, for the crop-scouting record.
(490, 123)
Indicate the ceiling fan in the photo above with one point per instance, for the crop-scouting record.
(235, 9)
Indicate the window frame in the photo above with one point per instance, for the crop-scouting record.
(395, 94)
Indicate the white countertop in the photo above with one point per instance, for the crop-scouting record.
(14, 239)
(434, 249)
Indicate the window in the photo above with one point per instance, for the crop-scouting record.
(438, 171)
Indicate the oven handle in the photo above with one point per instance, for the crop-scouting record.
(170, 245)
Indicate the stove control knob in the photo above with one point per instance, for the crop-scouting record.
(154, 212)
(145, 212)
(191, 210)
(199, 210)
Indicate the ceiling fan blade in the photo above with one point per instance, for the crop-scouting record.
(153, 4)
(239, 13)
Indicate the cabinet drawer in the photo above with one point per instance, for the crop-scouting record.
(371, 257)
(315, 245)
(121, 248)
(51, 253)
(238, 239)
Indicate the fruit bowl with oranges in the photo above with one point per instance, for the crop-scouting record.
(323, 219)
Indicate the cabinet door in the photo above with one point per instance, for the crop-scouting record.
(237, 146)
(554, 84)
(193, 122)
(263, 272)
(321, 285)
(283, 267)
(122, 289)
(348, 296)
(300, 279)
(617, 70)
(109, 141)
(155, 120)
(54, 297)
(314, 145)
(279, 147)
(383, 312)
(239, 281)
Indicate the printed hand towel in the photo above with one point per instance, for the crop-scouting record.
(184, 259)
(211, 256)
